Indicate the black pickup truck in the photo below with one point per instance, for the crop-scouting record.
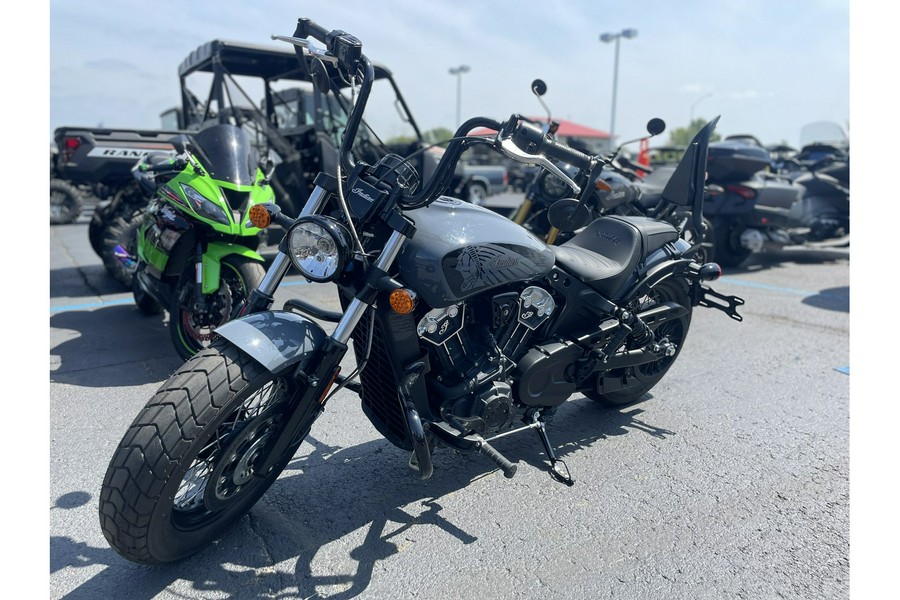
(292, 122)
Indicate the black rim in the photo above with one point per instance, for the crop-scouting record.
(672, 331)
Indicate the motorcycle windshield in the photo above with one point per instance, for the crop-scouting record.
(225, 151)
(823, 132)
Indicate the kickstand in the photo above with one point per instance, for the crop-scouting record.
(558, 468)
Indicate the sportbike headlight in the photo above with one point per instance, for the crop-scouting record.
(204, 206)
(319, 247)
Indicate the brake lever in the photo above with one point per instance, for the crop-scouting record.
(302, 43)
(510, 149)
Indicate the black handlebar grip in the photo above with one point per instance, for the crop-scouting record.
(306, 28)
(165, 167)
(508, 468)
(566, 154)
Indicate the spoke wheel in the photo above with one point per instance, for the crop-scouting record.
(188, 467)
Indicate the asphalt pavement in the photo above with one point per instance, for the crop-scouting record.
(730, 481)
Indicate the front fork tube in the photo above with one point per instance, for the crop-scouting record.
(198, 274)
(523, 212)
(358, 305)
(264, 295)
(319, 381)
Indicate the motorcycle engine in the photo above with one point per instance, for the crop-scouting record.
(473, 346)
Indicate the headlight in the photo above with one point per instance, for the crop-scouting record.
(319, 247)
(205, 207)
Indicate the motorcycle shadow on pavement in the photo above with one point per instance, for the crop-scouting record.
(87, 280)
(112, 346)
(836, 299)
(794, 255)
(328, 493)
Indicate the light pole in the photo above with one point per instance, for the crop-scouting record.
(694, 105)
(458, 71)
(615, 37)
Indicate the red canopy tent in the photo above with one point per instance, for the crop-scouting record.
(566, 129)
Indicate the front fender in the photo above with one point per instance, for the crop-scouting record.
(276, 339)
(212, 262)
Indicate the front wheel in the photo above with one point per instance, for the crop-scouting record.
(192, 320)
(187, 468)
(618, 387)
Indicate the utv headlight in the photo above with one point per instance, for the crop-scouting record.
(205, 207)
(319, 247)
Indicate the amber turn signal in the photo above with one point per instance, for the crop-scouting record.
(260, 216)
(403, 301)
(603, 186)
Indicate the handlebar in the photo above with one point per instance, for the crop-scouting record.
(518, 138)
(168, 167)
(531, 139)
(345, 47)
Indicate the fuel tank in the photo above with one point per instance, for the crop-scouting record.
(460, 249)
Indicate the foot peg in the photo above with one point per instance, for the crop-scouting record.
(508, 468)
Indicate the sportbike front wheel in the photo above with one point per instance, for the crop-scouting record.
(618, 387)
(192, 321)
(188, 467)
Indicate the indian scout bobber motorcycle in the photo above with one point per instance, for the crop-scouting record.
(465, 327)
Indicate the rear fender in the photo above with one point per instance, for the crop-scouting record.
(276, 339)
(212, 262)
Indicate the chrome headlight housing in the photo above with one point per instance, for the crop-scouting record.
(319, 247)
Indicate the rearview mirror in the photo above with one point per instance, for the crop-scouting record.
(568, 215)
(656, 126)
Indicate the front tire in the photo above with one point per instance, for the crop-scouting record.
(185, 470)
(619, 387)
(192, 325)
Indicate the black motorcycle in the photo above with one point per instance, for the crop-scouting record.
(763, 203)
(465, 327)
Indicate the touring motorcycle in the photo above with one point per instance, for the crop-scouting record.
(805, 202)
(195, 250)
(465, 326)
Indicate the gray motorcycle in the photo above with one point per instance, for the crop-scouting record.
(465, 326)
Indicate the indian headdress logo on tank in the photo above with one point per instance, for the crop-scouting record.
(489, 265)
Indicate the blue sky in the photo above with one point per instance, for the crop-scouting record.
(766, 66)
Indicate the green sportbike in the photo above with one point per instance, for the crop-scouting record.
(197, 252)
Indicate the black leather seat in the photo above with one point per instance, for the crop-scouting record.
(605, 253)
